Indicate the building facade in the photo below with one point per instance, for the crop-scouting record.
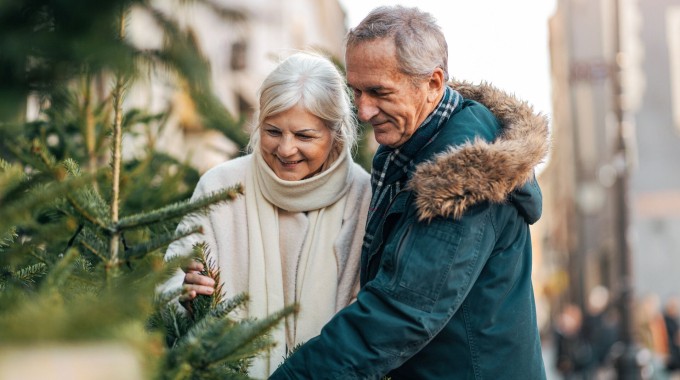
(241, 52)
(615, 68)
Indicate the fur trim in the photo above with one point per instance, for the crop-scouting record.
(480, 171)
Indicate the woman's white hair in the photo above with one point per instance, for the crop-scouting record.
(314, 82)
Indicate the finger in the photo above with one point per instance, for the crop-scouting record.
(194, 266)
(185, 301)
(187, 296)
(198, 279)
(192, 291)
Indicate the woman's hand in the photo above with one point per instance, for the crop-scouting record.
(195, 283)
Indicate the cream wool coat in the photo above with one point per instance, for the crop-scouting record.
(225, 230)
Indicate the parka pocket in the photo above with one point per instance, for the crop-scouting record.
(425, 258)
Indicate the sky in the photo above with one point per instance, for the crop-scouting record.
(504, 42)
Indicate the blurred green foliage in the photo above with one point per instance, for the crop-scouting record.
(71, 271)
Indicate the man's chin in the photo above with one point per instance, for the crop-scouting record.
(383, 139)
(392, 143)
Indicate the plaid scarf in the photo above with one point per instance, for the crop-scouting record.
(392, 166)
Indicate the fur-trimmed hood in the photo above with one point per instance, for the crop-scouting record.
(483, 171)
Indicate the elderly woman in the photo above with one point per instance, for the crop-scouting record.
(296, 234)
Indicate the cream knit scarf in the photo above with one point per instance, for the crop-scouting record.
(322, 196)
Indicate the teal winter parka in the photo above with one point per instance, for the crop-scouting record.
(446, 285)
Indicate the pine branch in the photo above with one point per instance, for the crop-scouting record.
(72, 167)
(116, 156)
(85, 213)
(137, 116)
(157, 243)
(24, 277)
(19, 209)
(174, 321)
(96, 210)
(78, 296)
(88, 124)
(11, 177)
(181, 51)
(7, 238)
(171, 265)
(93, 244)
(59, 274)
(74, 237)
(116, 151)
(38, 256)
(227, 307)
(183, 56)
(234, 343)
(116, 148)
(196, 338)
(45, 156)
(61, 185)
(202, 306)
(179, 209)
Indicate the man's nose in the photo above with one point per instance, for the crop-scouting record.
(366, 108)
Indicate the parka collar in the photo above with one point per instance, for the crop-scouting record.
(483, 171)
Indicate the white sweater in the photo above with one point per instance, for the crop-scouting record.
(226, 234)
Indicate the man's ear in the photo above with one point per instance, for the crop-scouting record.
(435, 85)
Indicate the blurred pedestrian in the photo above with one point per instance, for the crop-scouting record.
(651, 333)
(671, 316)
(600, 329)
(573, 353)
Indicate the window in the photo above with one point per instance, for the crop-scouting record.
(238, 55)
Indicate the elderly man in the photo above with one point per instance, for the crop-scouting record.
(446, 262)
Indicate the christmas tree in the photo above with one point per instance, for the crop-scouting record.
(82, 231)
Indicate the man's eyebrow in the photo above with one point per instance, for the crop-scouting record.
(373, 89)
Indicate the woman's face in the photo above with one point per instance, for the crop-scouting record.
(295, 143)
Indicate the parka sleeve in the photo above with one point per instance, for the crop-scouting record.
(424, 276)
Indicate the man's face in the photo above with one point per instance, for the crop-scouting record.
(386, 98)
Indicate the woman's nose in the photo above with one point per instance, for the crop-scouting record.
(287, 147)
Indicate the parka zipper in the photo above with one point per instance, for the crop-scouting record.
(373, 253)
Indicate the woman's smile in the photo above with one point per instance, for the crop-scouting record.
(295, 143)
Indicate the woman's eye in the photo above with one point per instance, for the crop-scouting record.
(305, 137)
(273, 132)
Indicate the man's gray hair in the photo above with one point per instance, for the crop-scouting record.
(420, 42)
(314, 82)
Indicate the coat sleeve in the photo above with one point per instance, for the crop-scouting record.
(424, 276)
(184, 246)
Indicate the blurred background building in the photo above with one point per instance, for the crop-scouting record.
(241, 48)
(615, 78)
